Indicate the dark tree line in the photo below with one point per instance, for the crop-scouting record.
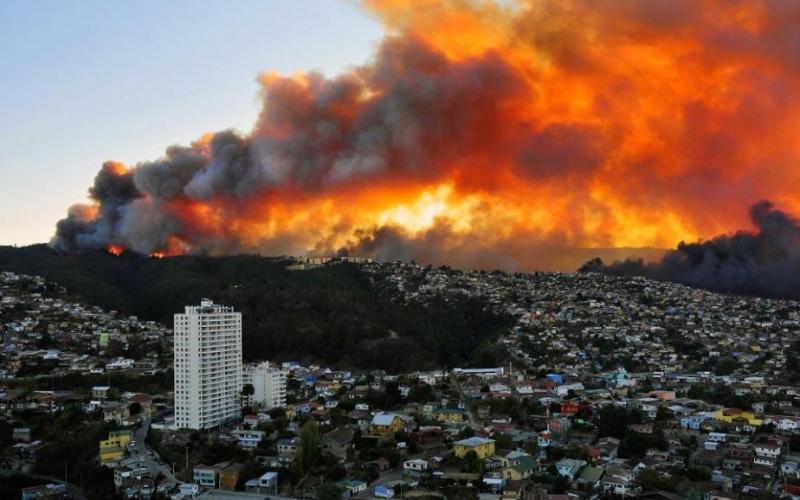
(330, 314)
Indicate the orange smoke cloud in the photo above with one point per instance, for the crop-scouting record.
(490, 134)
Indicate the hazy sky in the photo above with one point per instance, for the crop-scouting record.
(95, 80)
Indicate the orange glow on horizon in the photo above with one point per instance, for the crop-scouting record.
(491, 131)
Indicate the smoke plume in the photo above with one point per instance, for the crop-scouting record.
(765, 262)
(488, 134)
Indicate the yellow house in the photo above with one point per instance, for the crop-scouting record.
(522, 469)
(732, 415)
(110, 453)
(449, 415)
(481, 446)
(113, 448)
(385, 424)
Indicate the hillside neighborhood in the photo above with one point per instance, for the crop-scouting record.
(607, 387)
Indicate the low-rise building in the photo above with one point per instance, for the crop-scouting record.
(483, 447)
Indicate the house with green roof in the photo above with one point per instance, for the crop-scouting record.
(523, 468)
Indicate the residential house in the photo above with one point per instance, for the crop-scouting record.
(569, 467)
(288, 447)
(523, 467)
(247, 439)
(115, 447)
(619, 480)
(205, 475)
(228, 476)
(483, 447)
(267, 484)
(449, 415)
(415, 467)
(385, 424)
(338, 442)
(352, 486)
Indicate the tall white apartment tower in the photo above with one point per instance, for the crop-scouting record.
(208, 365)
(269, 384)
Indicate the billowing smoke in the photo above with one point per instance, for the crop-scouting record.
(488, 134)
(764, 262)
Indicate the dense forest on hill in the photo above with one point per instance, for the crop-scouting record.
(330, 314)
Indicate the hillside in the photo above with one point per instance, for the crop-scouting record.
(330, 314)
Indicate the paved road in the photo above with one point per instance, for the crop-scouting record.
(150, 458)
(234, 495)
(470, 410)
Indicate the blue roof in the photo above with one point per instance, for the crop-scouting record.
(383, 419)
(474, 441)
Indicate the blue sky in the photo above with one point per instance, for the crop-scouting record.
(88, 81)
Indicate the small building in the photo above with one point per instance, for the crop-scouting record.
(100, 391)
(288, 447)
(522, 468)
(619, 481)
(415, 467)
(247, 439)
(483, 447)
(205, 475)
(590, 476)
(449, 415)
(385, 424)
(115, 447)
(55, 491)
(384, 491)
(338, 442)
(188, 489)
(267, 484)
(352, 486)
(22, 434)
(735, 415)
(569, 467)
(228, 476)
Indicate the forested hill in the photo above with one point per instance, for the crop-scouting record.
(330, 314)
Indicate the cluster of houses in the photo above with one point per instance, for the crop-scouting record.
(591, 321)
(615, 387)
(554, 446)
(42, 332)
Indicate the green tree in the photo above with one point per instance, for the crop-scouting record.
(472, 463)
(698, 474)
(421, 393)
(113, 394)
(532, 447)
(135, 408)
(503, 441)
(310, 440)
(651, 480)
(561, 484)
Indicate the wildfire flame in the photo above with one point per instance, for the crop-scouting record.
(115, 250)
(489, 134)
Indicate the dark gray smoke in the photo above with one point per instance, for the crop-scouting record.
(414, 126)
(764, 263)
(113, 189)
